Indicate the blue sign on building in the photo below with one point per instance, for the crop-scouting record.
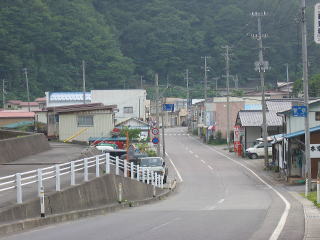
(299, 111)
(168, 107)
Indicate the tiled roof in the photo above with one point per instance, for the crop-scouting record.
(254, 119)
(32, 104)
(278, 106)
(17, 102)
(81, 107)
(16, 114)
(42, 99)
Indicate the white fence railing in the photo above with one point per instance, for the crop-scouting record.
(37, 177)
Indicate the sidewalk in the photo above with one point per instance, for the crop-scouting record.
(311, 212)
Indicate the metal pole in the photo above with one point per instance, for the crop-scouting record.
(188, 97)
(287, 67)
(157, 108)
(205, 79)
(306, 93)
(84, 81)
(27, 83)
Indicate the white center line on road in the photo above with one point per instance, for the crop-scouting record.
(175, 168)
(221, 201)
(211, 168)
(277, 231)
(203, 161)
(196, 156)
(190, 152)
(164, 224)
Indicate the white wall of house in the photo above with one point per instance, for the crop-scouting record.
(131, 102)
(102, 125)
(41, 117)
(295, 124)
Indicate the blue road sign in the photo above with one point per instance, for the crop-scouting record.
(155, 140)
(299, 111)
(168, 107)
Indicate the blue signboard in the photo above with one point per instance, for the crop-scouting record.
(168, 107)
(299, 111)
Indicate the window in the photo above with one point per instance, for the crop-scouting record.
(128, 110)
(317, 114)
(85, 121)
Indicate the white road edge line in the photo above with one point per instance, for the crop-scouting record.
(211, 168)
(196, 156)
(203, 161)
(277, 231)
(164, 224)
(190, 152)
(221, 201)
(175, 168)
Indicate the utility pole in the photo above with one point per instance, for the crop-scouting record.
(27, 83)
(188, 97)
(205, 77)
(157, 109)
(216, 81)
(141, 82)
(3, 93)
(261, 67)
(84, 81)
(306, 94)
(163, 142)
(287, 67)
(227, 57)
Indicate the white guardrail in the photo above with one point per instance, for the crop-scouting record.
(19, 180)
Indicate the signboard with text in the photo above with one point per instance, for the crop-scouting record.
(314, 150)
(299, 111)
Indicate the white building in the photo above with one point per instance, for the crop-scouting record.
(130, 102)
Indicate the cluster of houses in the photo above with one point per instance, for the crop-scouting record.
(78, 116)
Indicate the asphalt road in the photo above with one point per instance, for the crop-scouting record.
(218, 198)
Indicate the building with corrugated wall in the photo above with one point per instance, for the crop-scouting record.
(80, 122)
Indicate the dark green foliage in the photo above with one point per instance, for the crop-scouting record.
(122, 39)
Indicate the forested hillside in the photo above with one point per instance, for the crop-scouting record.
(121, 40)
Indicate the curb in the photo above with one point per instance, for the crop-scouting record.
(27, 224)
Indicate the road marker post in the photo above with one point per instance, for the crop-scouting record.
(42, 207)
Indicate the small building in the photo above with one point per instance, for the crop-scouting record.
(20, 105)
(15, 118)
(130, 102)
(133, 123)
(291, 161)
(80, 122)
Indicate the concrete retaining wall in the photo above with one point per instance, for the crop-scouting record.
(5, 134)
(19, 145)
(98, 192)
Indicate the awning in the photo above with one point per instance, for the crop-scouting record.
(298, 133)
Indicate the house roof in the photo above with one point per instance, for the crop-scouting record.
(253, 118)
(278, 106)
(42, 99)
(32, 104)
(134, 119)
(302, 132)
(81, 107)
(16, 114)
(17, 102)
(288, 111)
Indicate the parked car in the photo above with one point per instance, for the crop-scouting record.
(106, 146)
(156, 164)
(258, 150)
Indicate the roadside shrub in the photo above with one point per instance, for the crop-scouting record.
(218, 140)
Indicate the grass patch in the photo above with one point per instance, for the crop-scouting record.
(312, 196)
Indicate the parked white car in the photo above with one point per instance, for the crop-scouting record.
(258, 150)
(156, 164)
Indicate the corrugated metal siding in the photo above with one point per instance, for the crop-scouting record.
(103, 125)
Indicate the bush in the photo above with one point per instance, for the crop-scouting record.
(218, 140)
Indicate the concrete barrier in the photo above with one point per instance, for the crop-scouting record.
(95, 193)
(21, 145)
